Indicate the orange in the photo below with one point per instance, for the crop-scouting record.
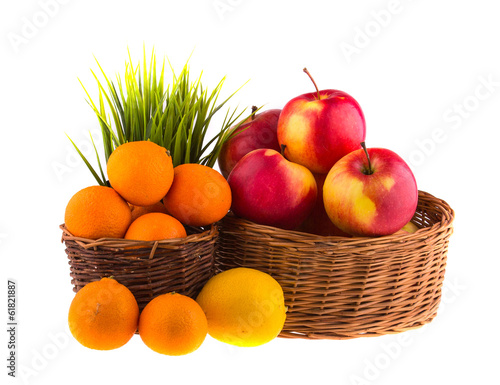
(141, 172)
(137, 211)
(103, 315)
(199, 195)
(97, 212)
(173, 324)
(155, 227)
(244, 307)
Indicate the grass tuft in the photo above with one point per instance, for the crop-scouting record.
(141, 106)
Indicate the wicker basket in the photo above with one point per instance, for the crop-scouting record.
(157, 267)
(341, 288)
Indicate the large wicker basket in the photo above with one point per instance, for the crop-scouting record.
(157, 267)
(340, 288)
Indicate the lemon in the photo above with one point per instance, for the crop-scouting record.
(244, 307)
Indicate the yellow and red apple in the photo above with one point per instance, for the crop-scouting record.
(318, 221)
(370, 192)
(319, 128)
(268, 189)
(259, 132)
(409, 228)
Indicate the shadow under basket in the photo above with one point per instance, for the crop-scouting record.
(149, 268)
(341, 288)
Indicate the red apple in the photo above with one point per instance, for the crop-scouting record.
(321, 127)
(370, 192)
(259, 132)
(318, 221)
(269, 190)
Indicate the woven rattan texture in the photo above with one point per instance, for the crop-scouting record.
(183, 266)
(341, 288)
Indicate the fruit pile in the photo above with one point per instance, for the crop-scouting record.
(241, 307)
(303, 168)
(306, 168)
(160, 184)
(149, 199)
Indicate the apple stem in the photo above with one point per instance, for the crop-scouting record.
(283, 146)
(254, 109)
(368, 171)
(315, 86)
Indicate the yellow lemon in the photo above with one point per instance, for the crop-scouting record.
(244, 307)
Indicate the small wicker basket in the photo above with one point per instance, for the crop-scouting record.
(341, 288)
(157, 267)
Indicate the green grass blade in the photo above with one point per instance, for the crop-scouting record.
(98, 158)
(99, 180)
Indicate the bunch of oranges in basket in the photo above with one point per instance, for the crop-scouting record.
(148, 199)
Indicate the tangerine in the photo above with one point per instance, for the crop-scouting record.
(141, 172)
(137, 211)
(97, 212)
(199, 195)
(155, 227)
(103, 315)
(173, 324)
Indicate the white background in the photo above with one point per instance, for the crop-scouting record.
(417, 68)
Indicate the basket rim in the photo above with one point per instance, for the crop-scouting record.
(447, 218)
(121, 243)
